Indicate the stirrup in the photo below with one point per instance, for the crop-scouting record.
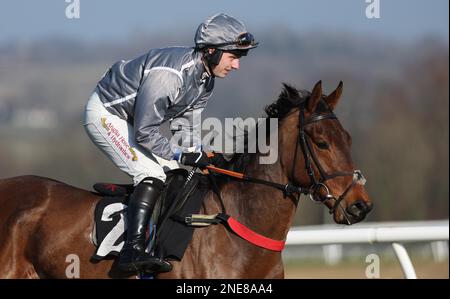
(132, 260)
(158, 266)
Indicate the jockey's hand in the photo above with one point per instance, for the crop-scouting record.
(217, 159)
(197, 159)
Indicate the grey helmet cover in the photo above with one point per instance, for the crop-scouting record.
(222, 31)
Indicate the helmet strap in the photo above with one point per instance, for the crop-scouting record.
(212, 59)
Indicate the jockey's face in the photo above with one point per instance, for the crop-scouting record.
(228, 62)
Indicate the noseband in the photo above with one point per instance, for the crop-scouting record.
(316, 185)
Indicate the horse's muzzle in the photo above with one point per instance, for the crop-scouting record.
(359, 209)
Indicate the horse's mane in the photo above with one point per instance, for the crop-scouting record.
(288, 99)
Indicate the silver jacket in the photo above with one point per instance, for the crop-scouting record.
(169, 84)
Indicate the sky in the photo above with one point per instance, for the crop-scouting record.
(100, 20)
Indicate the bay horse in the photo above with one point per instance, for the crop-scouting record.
(43, 221)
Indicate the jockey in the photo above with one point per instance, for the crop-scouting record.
(135, 97)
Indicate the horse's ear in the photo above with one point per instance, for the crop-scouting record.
(315, 97)
(334, 97)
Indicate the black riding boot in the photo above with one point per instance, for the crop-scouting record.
(140, 207)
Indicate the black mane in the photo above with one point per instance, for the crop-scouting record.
(289, 98)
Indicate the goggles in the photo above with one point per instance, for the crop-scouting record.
(243, 40)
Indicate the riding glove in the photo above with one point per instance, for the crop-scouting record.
(197, 159)
(217, 159)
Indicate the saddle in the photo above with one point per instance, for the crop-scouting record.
(168, 233)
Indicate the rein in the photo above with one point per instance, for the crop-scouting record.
(287, 189)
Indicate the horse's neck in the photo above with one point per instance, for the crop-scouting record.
(262, 208)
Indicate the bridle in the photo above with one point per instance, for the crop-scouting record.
(316, 185)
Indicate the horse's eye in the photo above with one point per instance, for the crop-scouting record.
(322, 145)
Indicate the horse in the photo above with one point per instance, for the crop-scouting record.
(44, 222)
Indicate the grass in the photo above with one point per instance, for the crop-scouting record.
(389, 269)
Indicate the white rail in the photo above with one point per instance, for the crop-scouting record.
(394, 232)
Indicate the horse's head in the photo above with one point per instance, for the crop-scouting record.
(315, 151)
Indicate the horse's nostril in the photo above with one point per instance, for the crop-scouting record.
(359, 208)
(354, 210)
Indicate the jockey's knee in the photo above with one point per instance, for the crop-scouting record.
(160, 175)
